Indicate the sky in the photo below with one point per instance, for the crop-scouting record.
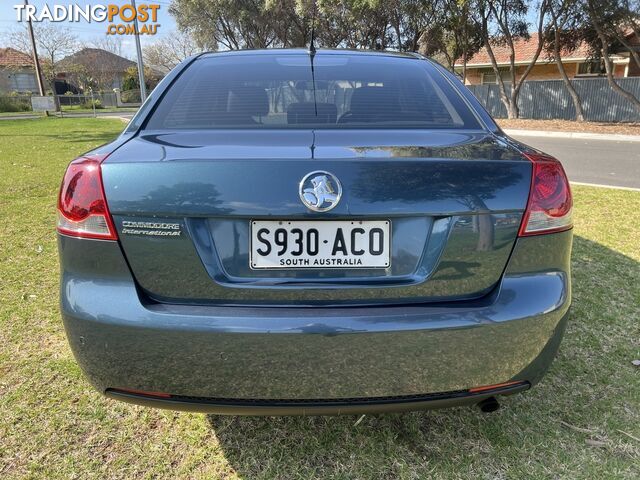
(86, 32)
(89, 31)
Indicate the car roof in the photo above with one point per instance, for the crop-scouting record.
(319, 51)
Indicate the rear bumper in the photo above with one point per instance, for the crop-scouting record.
(316, 407)
(353, 359)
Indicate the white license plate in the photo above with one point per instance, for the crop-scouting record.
(320, 244)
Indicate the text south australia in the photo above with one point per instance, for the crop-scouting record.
(120, 19)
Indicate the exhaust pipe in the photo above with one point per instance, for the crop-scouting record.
(489, 405)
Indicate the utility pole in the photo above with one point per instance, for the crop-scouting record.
(143, 88)
(36, 61)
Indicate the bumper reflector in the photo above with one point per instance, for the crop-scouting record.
(493, 387)
(142, 392)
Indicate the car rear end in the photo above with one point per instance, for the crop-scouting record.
(285, 233)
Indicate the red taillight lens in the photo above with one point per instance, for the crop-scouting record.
(550, 203)
(82, 208)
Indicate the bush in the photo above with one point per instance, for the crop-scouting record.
(88, 104)
(15, 104)
(130, 96)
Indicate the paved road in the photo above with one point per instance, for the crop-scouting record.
(603, 162)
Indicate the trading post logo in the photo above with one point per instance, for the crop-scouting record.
(120, 19)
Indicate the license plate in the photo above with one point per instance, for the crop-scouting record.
(320, 244)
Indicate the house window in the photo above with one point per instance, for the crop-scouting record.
(23, 82)
(489, 76)
(593, 67)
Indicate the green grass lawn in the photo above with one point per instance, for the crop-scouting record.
(581, 421)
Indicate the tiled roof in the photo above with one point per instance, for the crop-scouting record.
(10, 57)
(97, 59)
(525, 50)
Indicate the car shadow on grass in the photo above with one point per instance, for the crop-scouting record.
(589, 379)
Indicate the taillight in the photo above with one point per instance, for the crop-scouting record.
(82, 208)
(550, 203)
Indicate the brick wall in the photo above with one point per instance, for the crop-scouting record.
(550, 71)
(473, 77)
(545, 71)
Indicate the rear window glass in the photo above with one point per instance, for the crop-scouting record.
(284, 91)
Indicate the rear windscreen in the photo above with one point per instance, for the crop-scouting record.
(291, 91)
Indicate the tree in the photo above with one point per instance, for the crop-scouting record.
(231, 24)
(293, 27)
(605, 20)
(353, 24)
(629, 22)
(565, 22)
(633, 19)
(110, 43)
(371, 24)
(503, 22)
(131, 80)
(52, 41)
(453, 35)
(170, 50)
(410, 19)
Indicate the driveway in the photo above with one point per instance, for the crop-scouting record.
(604, 162)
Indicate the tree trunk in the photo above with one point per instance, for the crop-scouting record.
(575, 98)
(503, 90)
(507, 100)
(607, 65)
(607, 61)
(516, 84)
(634, 54)
(513, 111)
(465, 42)
(577, 103)
(464, 68)
(398, 36)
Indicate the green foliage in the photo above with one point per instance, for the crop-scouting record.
(131, 80)
(15, 103)
(130, 96)
(372, 24)
(454, 35)
(90, 104)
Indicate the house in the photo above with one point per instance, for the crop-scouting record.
(94, 67)
(577, 63)
(16, 72)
